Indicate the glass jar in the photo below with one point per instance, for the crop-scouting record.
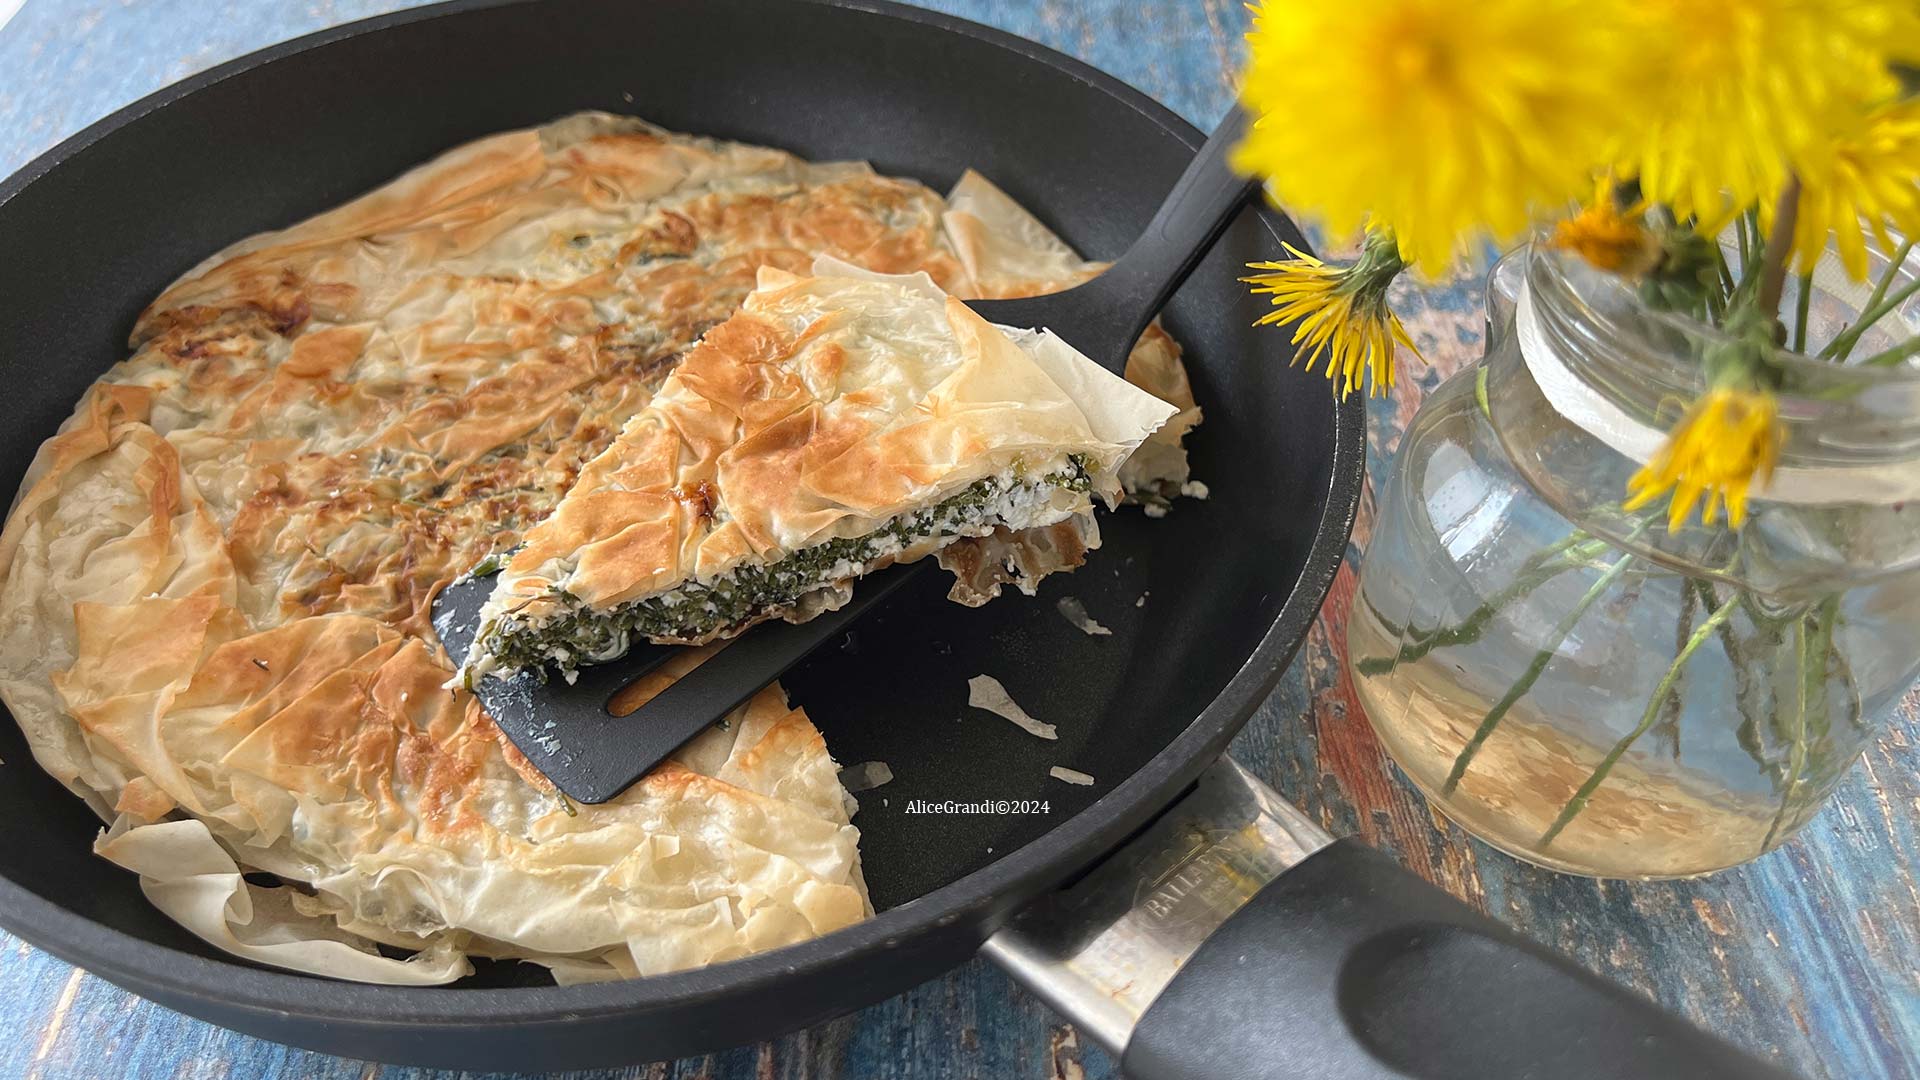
(1576, 685)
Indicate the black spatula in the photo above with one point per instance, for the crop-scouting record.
(569, 732)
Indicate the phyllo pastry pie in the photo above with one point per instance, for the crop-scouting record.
(838, 424)
(216, 578)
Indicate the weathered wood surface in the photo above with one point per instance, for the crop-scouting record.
(1811, 954)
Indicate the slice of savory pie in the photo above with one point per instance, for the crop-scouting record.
(840, 423)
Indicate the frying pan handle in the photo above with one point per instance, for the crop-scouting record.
(1336, 965)
(1349, 966)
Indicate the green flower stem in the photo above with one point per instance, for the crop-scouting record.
(1748, 736)
(1898, 354)
(1837, 660)
(1894, 264)
(1532, 675)
(1813, 638)
(1879, 291)
(1800, 307)
(1540, 567)
(1845, 340)
(1751, 260)
(1824, 619)
(1669, 725)
(1797, 756)
(1751, 712)
(1742, 281)
(1660, 692)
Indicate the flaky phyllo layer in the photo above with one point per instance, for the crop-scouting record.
(214, 583)
(796, 585)
(839, 423)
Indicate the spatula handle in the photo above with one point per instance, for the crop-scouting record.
(1105, 316)
(1202, 203)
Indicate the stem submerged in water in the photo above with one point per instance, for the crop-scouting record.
(1532, 675)
(1752, 712)
(1797, 755)
(1669, 726)
(1813, 652)
(1660, 692)
(1549, 562)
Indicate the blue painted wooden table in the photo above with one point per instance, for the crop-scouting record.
(1811, 954)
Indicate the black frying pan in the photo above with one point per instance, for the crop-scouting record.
(95, 227)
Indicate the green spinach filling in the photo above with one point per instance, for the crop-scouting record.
(695, 610)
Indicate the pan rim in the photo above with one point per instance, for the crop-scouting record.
(238, 986)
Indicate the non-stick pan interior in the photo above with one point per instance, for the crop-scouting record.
(1187, 598)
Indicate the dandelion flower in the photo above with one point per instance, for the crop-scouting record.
(1867, 181)
(1727, 440)
(1341, 310)
(1441, 121)
(1607, 237)
(1755, 89)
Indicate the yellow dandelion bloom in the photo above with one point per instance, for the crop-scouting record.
(1728, 439)
(1341, 311)
(1607, 237)
(1754, 87)
(1444, 122)
(1866, 180)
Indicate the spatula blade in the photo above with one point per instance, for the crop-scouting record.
(566, 730)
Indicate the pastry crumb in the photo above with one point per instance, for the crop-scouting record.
(985, 692)
(865, 776)
(1075, 612)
